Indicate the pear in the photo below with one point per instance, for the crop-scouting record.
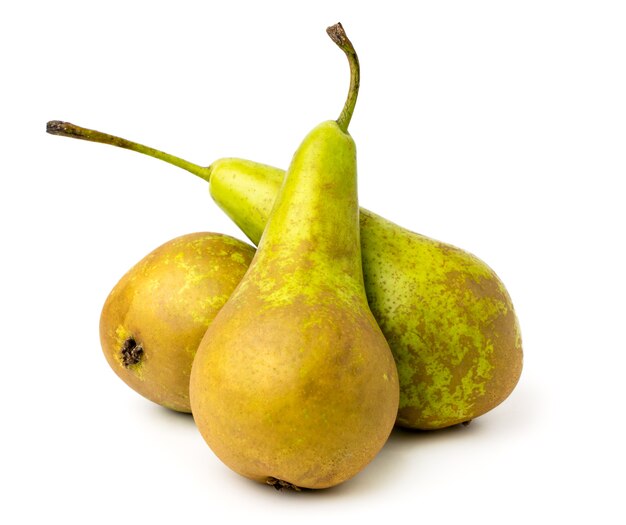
(155, 317)
(447, 316)
(294, 383)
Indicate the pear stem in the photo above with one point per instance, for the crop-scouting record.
(66, 129)
(339, 37)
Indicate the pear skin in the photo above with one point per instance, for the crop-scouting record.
(293, 381)
(155, 317)
(449, 321)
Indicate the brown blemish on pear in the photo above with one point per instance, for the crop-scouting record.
(131, 352)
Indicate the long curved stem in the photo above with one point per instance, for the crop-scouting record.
(336, 33)
(66, 129)
(339, 37)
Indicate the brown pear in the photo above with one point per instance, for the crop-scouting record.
(294, 383)
(155, 317)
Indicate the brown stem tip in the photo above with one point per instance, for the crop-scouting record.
(58, 127)
(338, 35)
(279, 484)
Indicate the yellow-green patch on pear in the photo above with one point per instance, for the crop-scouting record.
(161, 308)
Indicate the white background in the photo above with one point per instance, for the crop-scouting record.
(499, 127)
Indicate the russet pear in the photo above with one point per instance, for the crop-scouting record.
(294, 383)
(155, 317)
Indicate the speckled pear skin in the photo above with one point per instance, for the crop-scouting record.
(447, 316)
(449, 320)
(293, 382)
(155, 317)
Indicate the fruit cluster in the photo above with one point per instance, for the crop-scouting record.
(298, 358)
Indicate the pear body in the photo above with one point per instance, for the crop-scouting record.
(294, 381)
(155, 317)
(447, 316)
(449, 321)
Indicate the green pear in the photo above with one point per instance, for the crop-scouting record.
(294, 383)
(155, 317)
(447, 316)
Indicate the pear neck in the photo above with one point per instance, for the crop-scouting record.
(315, 216)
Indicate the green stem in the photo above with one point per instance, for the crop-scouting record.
(339, 37)
(65, 129)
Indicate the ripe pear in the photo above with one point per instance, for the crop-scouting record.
(155, 317)
(294, 383)
(447, 316)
